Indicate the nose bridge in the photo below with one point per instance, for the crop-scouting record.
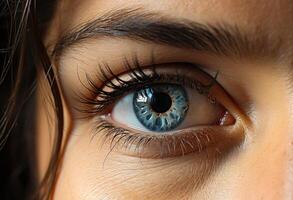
(266, 170)
(289, 171)
(271, 148)
(289, 165)
(289, 183)
(273, 161)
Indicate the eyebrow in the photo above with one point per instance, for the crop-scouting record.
(137, 24)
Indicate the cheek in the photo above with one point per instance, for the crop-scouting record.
(92, 171)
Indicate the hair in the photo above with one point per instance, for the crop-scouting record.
(22, 56)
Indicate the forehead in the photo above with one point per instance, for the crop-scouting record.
(273, 18)
(246, 12)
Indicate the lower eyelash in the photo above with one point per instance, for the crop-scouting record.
(162, 146)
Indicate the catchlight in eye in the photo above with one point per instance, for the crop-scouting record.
(160, 107)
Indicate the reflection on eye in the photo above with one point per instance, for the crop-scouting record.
(168, 111)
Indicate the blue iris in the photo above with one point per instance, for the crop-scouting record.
(161, 107)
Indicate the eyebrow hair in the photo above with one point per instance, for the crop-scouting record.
(137, 24)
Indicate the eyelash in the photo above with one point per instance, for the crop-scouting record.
(99, 101)
(193, 141)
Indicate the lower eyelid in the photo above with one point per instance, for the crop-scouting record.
(197, 140)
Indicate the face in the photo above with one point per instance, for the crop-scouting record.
(171, 99)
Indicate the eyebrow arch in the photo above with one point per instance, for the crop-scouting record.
(138, 24)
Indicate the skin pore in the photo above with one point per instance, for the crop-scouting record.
(253, 160)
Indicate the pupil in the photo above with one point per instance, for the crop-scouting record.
(160, 102)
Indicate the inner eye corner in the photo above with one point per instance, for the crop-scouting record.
(227, 119)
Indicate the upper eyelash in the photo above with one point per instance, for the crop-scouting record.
(99, 99)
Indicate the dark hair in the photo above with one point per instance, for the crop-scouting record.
(22, 55)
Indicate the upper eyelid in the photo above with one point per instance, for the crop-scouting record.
(98, 90)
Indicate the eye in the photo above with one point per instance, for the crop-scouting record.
(166, 107)
(163, 111)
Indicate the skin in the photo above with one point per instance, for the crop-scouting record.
(261, 167)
